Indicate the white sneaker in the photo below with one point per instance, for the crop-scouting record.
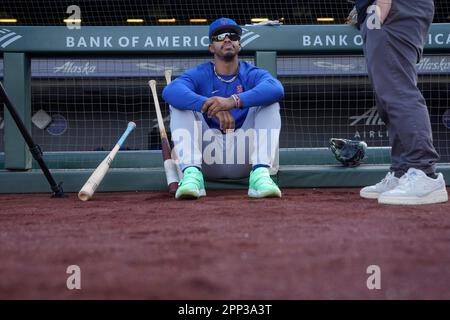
(415, 187)
(373, 192)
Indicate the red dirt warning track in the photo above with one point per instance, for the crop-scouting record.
(311, 244)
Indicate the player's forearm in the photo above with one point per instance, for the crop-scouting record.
(181, 97)
(267, 92)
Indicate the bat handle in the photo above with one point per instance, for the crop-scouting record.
(130, 127)
(168, 76)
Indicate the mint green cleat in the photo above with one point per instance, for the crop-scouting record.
(192, 186)
(262, 185)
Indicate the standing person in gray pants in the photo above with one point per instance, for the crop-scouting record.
(394, 33)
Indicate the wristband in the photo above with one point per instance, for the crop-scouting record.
(237, 101)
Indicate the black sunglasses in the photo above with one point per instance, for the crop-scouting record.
(231, 35)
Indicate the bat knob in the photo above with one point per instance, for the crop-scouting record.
(131, 125)
(173, 188)
(84, 196)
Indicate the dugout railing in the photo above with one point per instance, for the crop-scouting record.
(313, 100)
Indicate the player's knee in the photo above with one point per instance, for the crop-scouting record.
(274, 106)
(178, 117)
(274, 111)
(174, 112)
(271, 108)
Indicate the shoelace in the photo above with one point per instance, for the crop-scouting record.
(407, 179)
(265, 178)
(189, 178)
(386, 179)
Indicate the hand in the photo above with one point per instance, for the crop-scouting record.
(385, 7)
(226, 120)
(352, 18)
(216, 104)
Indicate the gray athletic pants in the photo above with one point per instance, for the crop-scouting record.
(230, 155)
(392, 53)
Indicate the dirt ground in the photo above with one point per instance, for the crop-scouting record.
(311, 244)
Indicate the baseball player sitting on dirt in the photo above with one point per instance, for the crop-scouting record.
(225, 119)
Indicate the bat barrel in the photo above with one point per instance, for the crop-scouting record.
(84, 195)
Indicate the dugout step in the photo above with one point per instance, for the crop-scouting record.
(153, 179)
(153, 158)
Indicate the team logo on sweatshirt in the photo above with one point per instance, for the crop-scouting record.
(239, 89)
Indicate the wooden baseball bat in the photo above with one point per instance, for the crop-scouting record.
(87, 191)
(169, 165)
(168, 76)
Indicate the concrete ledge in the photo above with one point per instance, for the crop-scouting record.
(148, 179)
(153, 158)
(300, 176)
(151, 179)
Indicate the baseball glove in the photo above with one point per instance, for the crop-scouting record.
(349, 152)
